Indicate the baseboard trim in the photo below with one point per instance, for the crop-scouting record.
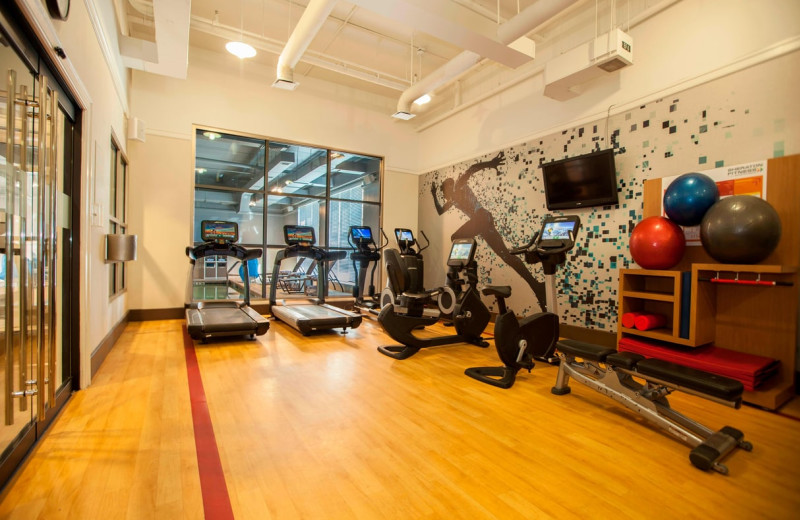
(157, 314)
(105, 346)
(598, 337)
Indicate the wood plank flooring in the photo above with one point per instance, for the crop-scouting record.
(325, 427)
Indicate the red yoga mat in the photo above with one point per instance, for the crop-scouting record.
(750, 369)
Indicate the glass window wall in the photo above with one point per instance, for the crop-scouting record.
(326, 189)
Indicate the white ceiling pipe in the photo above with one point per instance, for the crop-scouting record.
(513, 29)
(307, 28)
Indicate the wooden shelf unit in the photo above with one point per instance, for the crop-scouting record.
(752, 319)
(658, 292)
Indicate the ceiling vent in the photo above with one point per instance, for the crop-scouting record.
(565, 75)
(284, 84)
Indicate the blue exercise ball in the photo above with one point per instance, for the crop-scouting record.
(741, 229)
(688, 197)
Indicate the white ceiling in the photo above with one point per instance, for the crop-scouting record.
(382, 49)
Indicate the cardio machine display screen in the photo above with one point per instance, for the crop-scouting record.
(404, 235)
(219, 231)
(461, 253)
(361, 234)
(299, 235)
(558, 230)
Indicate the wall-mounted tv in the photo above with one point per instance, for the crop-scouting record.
(582, 181)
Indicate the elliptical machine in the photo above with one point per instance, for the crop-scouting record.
(518, 342)
(365, 252)
(470, 315)
(411, 262)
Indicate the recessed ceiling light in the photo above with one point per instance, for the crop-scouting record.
(425, 98)
(211, 135)
(200, 170)
(240, 49)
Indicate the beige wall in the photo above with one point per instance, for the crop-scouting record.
(223, 92)
(689, 43)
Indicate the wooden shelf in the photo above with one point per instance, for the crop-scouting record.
(658, 334)
(656, 296)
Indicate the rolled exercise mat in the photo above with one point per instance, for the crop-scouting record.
(629, 319)
(650, 321)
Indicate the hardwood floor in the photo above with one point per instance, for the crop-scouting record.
(325, 427)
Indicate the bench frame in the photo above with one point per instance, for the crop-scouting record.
(649, 399)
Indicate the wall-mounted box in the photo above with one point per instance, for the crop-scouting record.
(120, 248)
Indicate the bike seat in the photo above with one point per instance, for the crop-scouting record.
(503, 291)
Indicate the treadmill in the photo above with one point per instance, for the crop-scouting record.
(208, 319)
(319, 315)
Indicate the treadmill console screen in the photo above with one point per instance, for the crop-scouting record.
(404, 235)
(219, 231)
(462, 252)
(303, 235)
(361, 234)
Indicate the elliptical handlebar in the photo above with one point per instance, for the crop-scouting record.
(421, 249)
(385, 238)
(523, 249)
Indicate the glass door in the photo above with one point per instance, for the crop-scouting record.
(19, 306)
(37, 144)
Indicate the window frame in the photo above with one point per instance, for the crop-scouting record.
(117, 213)
(323, 201)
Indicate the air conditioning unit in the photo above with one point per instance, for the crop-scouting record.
(565, 75)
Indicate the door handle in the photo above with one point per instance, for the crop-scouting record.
(40, 314)
(53, 250)
(11, 113)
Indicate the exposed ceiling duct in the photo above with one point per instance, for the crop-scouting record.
(451, 23)
(307, 28)
(507, 33)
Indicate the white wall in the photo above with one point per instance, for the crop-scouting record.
(226, 93)
(690, 42)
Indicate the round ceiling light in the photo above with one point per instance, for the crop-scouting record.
(240, 49)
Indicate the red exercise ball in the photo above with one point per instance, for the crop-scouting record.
(657, 243)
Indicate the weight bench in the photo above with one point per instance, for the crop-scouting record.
(611, 373)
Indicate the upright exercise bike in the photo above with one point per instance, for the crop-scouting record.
(365, 252)
(519, 341)
(470, 315)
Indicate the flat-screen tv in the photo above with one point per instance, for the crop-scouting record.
(582, 181)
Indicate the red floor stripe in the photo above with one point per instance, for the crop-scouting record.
(216, 502)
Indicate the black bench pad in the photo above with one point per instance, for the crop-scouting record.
(626, 360)
(697, 380)
(587, 351)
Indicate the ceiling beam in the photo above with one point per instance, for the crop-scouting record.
(451, 23)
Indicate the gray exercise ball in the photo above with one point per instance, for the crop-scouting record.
(741, 229)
